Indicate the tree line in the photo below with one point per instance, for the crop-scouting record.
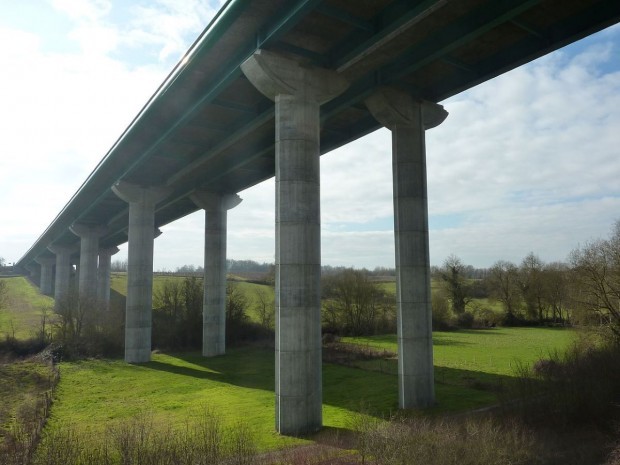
(584, 290)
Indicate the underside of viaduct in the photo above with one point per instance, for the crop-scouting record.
(268, 87)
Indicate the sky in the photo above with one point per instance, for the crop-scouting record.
(526, 162)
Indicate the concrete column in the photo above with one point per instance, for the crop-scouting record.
(63, 271)
(214, 303)
(89, 251)
(408, 119)
(138, 319)
(47, 271)
(103, 281)
(298, 92)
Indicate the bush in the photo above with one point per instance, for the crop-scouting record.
(465, 320)
(581, 387)
(441, 312)
(142, 441)
(424, 441)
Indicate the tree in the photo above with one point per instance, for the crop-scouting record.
(596, 272)
(455, 283)
(265, 308)
(557, 290)
(236, 305)
(532, 286)
(503, 281)
(354, 304)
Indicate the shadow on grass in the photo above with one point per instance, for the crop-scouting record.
(362, 389)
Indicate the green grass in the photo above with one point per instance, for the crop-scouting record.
(478, 361)
(495, 351)
(240, 385)
(25, 305)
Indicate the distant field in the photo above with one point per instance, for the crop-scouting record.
(24, 307)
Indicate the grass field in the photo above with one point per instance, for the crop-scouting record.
(24, 307)
(93, 394)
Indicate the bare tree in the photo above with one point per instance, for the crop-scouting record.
(532, 286)
(265, 308)
(504, 285)
(354, 304)
(557, 290)
(596, 269)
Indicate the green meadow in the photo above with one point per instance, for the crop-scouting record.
(470, 366)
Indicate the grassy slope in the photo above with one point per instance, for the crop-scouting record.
(21, 384)
(25, 305)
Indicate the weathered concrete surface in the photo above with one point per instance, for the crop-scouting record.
(138, 319)
(298, 93)
(214, 302)
(89, 250)
(63, 271)
(47, 272)
(103, 281)
(408, 119)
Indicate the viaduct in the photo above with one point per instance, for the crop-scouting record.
(268, 87)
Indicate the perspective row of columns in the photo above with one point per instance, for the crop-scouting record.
(93, 281)
(298, 92)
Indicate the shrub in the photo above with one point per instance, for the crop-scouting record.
(465, 320)
(142, 441)
(425, 441)
(577, 388)
(441, 311)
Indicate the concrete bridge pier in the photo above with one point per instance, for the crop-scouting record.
(89, 251)
(408, 119)
(138, 319)
(47, 273)
(214, 304)
(103, 281)
(63, 271)
(298, 92)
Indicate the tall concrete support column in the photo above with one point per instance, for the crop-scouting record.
(47, 272)
(408, 119)
(298, 92)
(138, 317)
(63, 271)
(214, 303)
(89, 251)
(103, 281)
